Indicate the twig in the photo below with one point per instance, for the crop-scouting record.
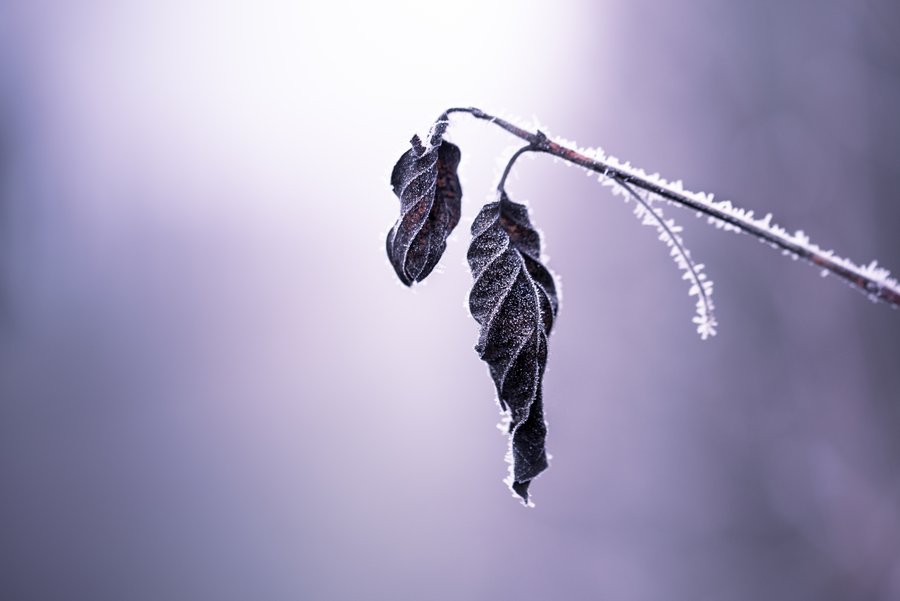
(872, 280)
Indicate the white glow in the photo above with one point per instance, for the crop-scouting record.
(246, 90)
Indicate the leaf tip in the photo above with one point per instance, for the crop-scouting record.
(521, 489)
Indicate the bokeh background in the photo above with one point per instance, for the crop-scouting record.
(214, 387)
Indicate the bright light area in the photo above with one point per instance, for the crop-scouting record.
(251, 93)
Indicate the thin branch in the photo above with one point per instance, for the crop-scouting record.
(706, 320)
(872, 280)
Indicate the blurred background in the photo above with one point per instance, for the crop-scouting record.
(214, 387)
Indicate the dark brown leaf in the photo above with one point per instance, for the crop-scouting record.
(425, 181)
(514, 300)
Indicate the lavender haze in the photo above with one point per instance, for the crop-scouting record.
(213, 385)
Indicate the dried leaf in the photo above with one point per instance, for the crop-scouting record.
(514, 300)
(425, 181)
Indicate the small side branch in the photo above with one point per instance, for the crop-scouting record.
(871, 279)
(700, 286)
(501, 185)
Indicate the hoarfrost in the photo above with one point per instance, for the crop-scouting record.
(668, 231)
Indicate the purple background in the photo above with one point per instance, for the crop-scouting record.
(214, 387)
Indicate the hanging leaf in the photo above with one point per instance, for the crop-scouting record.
(514, 300)
(425, 181)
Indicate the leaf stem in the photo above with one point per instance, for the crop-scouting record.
(508, 168)
(871, 280)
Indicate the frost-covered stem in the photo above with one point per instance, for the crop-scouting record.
(692, 269)
(878, 288)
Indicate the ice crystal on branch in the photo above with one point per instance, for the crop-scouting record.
(668, 231)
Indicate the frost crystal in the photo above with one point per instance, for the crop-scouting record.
(669, 231)
(874, 281)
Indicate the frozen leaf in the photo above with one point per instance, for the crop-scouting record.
(514, 300)
(425, 181)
